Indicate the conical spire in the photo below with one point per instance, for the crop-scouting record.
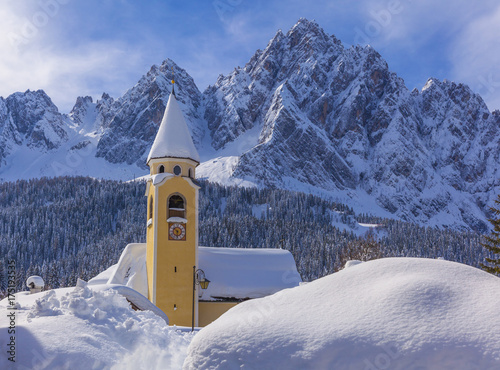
(173, 139)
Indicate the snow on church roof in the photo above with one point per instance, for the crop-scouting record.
(246, 273)
(233, 272)
(173, 138)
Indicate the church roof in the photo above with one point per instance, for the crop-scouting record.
(242, 273)
(173, 139)
(234, 273)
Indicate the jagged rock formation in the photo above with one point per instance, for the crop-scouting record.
(305, 110)
(339, 119)
(130, 123)
(30, 119)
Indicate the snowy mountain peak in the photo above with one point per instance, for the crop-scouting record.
(132, 121)
(304, 113)
(339, 120)
(305, 28)
(32, 119)
(80, 109)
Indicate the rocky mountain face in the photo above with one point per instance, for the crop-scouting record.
(303, 111)
(338, 119)
(30, 119)
(130, 123)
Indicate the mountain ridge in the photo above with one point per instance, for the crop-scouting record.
(305, 111)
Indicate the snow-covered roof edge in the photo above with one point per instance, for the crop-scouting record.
(243, 273)
(173, 139)
(238, 273)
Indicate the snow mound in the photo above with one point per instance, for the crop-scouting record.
(84, 303)
(103, 277)
(398, 313)
(92, 329)
(352, 263)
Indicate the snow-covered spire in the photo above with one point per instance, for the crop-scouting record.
(173, 139)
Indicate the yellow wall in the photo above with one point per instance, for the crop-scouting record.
(174, 258)
(170, 262)
(185, 164)
(150, 239)
(210, 311)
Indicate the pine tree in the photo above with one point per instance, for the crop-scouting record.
(492, 243)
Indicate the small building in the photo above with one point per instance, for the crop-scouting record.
(168, 267)
(35, 284)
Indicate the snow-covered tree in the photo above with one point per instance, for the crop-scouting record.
(492, 243)
(70, 227)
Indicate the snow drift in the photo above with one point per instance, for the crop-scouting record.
(89, 328)
(398, 313)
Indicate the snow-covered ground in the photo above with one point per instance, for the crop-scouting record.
(83, 328)
(394, 313)
(220, 170)
(397, 313)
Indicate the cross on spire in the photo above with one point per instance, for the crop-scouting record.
(173, 81)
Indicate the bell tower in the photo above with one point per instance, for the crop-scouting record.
(172, 225)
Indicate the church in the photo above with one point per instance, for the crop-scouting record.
(193, 285)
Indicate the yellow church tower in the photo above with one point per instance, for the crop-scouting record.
(172, 226)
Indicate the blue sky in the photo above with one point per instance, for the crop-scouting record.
(72, 47)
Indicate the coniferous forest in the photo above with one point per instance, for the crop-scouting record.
(75, 227)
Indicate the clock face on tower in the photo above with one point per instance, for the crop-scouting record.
(177, 231)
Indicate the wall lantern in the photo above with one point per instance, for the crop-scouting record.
(198, 279)
(204, 283)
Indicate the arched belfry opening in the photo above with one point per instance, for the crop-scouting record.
(176, 206)
(161, 169)
(150, 208)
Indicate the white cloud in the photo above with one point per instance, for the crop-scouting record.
(476, 57)
(410, 23)
(37, 54)
(64, 75)
(456, 40)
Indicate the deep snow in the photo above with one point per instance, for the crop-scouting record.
(82, 328)
(397, 313)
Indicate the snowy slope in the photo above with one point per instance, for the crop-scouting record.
(397, 313)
